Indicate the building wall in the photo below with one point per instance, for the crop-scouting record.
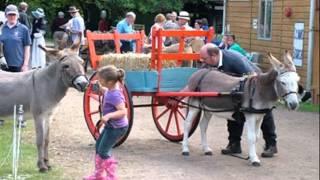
(316, 75)
(240, 14)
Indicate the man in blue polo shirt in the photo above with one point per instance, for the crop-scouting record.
(125, 26)
(16, 41)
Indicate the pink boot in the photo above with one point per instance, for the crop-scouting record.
(99, 173)
(110, 165)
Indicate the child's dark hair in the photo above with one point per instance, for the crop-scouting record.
(111, 73)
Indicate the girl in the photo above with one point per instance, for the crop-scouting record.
(114, 119)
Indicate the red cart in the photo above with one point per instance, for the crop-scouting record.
(161, 84)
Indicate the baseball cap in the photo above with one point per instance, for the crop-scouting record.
(11, 9)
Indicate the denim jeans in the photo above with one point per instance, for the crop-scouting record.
(107, 139)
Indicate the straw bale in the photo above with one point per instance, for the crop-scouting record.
(131, 61)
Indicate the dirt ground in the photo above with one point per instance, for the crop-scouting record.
(147, 155)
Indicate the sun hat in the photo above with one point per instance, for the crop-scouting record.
(73, 9)
(184, 15)
(11, 9)
(38, 13)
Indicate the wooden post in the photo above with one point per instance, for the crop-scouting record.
(117, 41)
(92, 50)
(153, 48)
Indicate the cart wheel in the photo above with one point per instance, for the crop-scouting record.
(92, 102)
(169, 120)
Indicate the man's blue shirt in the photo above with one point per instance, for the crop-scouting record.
(14, 40)
(124, 27)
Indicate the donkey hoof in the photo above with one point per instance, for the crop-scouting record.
(209, 153)
(185, 153)
(43, 170)
(255, 164)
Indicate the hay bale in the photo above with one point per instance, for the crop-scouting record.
(131, 61)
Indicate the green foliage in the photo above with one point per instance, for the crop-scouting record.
(309, 107)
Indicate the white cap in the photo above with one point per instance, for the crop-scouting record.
(11, 9)
(132, 14)
(184, 15)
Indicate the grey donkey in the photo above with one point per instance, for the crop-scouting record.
(281, 82)
(39, 91)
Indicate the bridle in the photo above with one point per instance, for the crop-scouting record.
(289, 92)
(73, 79)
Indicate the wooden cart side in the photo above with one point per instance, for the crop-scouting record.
(157, 54)
(115, 37)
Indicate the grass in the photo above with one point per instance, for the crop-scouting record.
(309, 107)
(28, 157)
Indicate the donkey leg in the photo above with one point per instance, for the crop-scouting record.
(40, 133)
(251, 133)
(203, 127)
(258, 126)
(46, 144)
(187, 124)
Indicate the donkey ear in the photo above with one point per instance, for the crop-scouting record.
(76, 45)
(275, 62)
(288, 61)
(49, 51)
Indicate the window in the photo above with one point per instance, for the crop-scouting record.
(265, 13)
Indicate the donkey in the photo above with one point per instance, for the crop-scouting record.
(260, 92)
(39, 91)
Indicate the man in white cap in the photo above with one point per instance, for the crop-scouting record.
(183, 20)
(16, 41)
(126, 26)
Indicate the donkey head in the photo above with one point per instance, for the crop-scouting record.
(286, 81)
(70, 66)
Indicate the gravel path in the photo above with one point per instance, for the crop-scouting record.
(147, 155)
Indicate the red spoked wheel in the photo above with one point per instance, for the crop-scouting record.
(169, 119)
(92, 108)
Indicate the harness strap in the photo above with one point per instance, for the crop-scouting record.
(249, 110)
(252, 87)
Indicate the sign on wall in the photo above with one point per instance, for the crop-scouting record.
(298, 43)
